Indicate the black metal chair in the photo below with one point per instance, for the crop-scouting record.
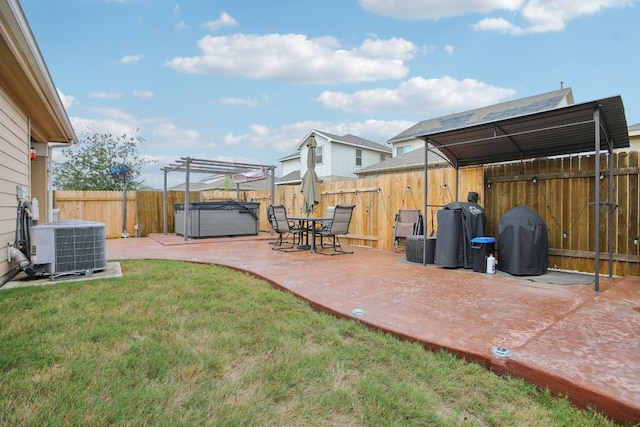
(338, 226)
(284, 228)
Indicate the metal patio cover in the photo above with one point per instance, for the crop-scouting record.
(559, 131)
(508, 136)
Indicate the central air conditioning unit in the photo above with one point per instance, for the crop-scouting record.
(69, 247)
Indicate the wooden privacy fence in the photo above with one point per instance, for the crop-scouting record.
(561, 191)
(377, 200)
(562, 195)
(144, 209)
(102, 206)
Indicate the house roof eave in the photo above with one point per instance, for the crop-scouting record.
(26, 77)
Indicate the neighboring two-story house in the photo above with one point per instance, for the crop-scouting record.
(337, 157)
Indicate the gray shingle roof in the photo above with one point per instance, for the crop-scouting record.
(290, 178)
(357, 141)
(412, 160)
(295, 155)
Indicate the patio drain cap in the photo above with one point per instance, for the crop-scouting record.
(357, 311)
(501, 352)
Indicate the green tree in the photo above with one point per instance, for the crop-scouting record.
(88, 164)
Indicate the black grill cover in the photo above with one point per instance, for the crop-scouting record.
(449, 239)
(523, 243)
(457, 233)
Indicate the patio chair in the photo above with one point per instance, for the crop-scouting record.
(339, 226)
(284, 228)
(409, 222)
(328, 214)
(324, 225)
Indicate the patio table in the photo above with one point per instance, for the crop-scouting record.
(309, 223)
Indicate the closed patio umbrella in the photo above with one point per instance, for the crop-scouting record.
(310, 179)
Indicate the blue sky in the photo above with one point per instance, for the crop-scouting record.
(247, 80)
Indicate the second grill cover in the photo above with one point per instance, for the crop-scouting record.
(523, 242)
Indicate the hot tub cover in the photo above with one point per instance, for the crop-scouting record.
(523, 242)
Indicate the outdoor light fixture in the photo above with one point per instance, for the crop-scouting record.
(535, 179)
(489, 184)
(635, 241)
(565, 234)
(601, 175)
(501, 352)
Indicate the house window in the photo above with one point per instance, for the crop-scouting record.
(404, 149)
(318, 154)
(358, 157)
(383, 157)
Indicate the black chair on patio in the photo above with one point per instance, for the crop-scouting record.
(338, 226)
(281, 224)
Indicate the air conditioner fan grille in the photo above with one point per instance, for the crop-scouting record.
(80, 249)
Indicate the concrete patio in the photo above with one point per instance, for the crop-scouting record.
(552, 330)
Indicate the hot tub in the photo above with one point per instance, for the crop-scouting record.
(217, 219)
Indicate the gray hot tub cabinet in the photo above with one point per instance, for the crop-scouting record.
(218, 219)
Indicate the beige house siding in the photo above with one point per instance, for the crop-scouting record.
(15, 164)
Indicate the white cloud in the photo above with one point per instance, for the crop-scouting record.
(537, 16)
(281, 140)
(171, 132)
(393, 48)
(143, 94)
(244, 102)
(181, 26)
(225, 20)
(106, 95)
(448, 49)
(419, 96)
(67, 100)
(295, 58)
(111, 113)
(546, 15)
(130, 59)
(104, 125)
(498, 24)
(118, 121)
(418, 10)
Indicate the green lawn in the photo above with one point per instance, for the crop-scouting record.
(176, 343)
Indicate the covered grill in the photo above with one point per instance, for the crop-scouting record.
(458, 223)
(523, 243)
